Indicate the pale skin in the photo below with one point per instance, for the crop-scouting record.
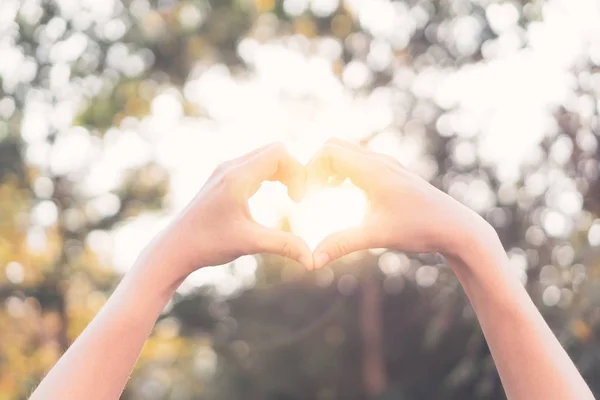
(406, 214)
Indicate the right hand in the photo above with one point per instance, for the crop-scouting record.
(217, 227)
(406, 213)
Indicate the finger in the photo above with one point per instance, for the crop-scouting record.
(275, 163)
(225, 166)
(336, 160)
(349, 145)
(340, 244)
(251, 154)
(320, 172)
(285, 244)
(336, 180)
(389, 160)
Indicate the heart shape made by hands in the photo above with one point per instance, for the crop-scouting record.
(320, 213)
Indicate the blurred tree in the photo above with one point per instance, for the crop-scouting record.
(54, 280)
(80, 76)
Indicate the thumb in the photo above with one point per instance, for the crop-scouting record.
(284, 244)
(340, 244)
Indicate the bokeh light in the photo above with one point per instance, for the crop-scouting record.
(113, 113)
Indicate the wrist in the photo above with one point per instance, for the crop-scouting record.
(482, 268)
(475, 241)
(159, 269)
(175, 251)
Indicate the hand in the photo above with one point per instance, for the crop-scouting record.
(217, 227)
(406, 213)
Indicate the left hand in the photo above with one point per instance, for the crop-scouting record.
(217, 227)
(405, 213)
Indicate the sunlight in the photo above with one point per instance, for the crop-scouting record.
(326, 211)
(299, 97)
(321, 213)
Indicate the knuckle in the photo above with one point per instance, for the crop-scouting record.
(223, 168)
(341, 248)
(231, 176)
(287, 250)
(278, 148)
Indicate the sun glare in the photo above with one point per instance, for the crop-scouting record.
(321, 213)
(327, 211)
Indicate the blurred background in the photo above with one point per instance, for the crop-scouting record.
(114, 112)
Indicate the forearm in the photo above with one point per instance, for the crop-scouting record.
(99, 363)
(531, 362)
(214, 229)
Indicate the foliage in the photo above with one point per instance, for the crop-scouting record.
(80, 77)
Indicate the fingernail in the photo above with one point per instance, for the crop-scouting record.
(321, 259)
